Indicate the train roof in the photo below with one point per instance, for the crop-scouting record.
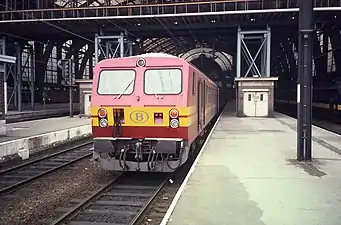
(155, 54)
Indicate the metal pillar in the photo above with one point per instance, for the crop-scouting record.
(111, 47)
(304, 87)
(264, 36)
(25, 74)
(59, 50)
(4, 61)
(18, 85)
(32, 74)
(76, 64)
(66, 66)
(3, 88)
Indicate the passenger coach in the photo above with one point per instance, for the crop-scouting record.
(148, 110)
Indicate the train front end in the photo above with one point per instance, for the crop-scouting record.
(139, 116)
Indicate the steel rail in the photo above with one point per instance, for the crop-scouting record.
(78, 209)
(150, 200)
(74, 211)
(14, 169)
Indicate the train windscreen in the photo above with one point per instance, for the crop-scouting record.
(116, 82)
(162, 81)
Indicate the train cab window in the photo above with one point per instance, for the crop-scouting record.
(116, 82)
(162, 81)
(193, 84)
(249, 97)
(261, 97)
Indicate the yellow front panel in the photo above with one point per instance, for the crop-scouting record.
(144, 116)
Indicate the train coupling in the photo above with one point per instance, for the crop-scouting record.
(138, 150)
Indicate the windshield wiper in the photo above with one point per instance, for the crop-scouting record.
(118, 97)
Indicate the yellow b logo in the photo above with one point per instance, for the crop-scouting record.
(139, 116)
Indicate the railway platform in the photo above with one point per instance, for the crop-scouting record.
(40, 111)
(247, 173)
(26, 138)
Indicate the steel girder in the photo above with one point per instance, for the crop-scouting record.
(158, 44)
(181, 45)
(89, 3)
(286, 56)
(320, 59)
(287, 48)
(223, 61)
(87, 56)
(335, 39)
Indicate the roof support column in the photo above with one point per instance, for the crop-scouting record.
(239, 54)
(66, 66)
(18, 85)
(78, 75)
(4, 61)
(39, 68)
(304, 87)
(87, 61)
(59, 48)
(41, 58)
(91, 65)
(32, 73)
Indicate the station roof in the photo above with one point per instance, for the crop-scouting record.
(159, 33)
(141, 17)
(61, 19)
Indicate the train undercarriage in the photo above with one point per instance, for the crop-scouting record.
(144, 155)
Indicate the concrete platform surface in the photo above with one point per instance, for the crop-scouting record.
(247, 174)
(24, 138)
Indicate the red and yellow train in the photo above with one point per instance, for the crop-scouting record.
(148, 111)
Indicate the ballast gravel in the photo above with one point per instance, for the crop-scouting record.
(157, 210)
(160, 205)
(38, 201)
(123, 198)
(115, 207)
(105, 218)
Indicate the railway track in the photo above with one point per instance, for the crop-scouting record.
(14, 177)
(125, 200)
(326, 123)
(120, 202)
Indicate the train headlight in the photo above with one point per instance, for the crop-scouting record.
(103, 123)
(102, 113)
(174, 123)
(174, 113)
(141, 62)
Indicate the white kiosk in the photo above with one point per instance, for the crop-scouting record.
(85, 88)
(255, 96)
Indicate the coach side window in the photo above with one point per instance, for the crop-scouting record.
(193, 84)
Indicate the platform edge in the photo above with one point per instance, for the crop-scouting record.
(178, 194)
(314, 126)
(13, 147)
